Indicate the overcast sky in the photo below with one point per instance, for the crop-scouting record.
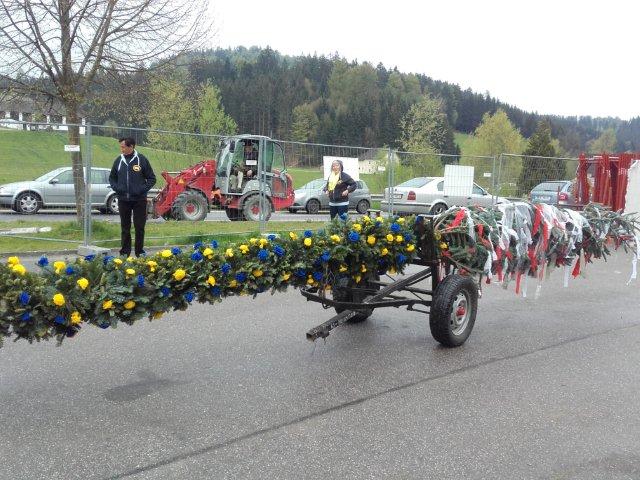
(562, 57)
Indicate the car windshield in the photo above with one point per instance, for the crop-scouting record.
(48, 175)
(548, 187)
(416, 182)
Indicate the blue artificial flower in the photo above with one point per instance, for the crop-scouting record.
(271, 237)
(24, 298)
(59, 320)
(104, 325)
(378, 223)
(176, 251)
(69, 270)
(278, 250)
(308, 233)
(197, 245)
(215, 291)
(263, 254)
(214, 244)
(25, 317)
(107, 259)
(401, 259)
(300, 272)
(344, 216)
(165, 291)
(354, 236)
(395, 228)
(141, 280)
(241, 276)
(90, 258)
(317, 262)
(197, 256)
(317, 276)
(43, 262)
(419, 219)
(408, 237)
(226, 268)
(189, 296)
(325, 256)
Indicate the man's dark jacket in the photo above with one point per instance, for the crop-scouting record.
(131, 177)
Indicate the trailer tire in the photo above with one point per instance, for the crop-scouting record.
(453, 310)
(343, 296)
(234, 214)
(251, 208)
(190, 205)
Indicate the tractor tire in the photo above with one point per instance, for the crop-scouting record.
(234, 214)
(453, 310)
(313, 206)
(363, 206)
(251, 208)
(28, 203)
(342, 296)
(191, 206)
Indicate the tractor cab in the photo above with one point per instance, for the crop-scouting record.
(248, 165)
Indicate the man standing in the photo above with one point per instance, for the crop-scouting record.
(131, 178)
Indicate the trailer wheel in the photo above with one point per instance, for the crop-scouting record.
(453, 311)
(234, 214)
(251, 208)
(190, 206)
(342, 295)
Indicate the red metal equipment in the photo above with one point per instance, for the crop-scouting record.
(610, 178)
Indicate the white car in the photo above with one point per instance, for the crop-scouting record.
(426, 195)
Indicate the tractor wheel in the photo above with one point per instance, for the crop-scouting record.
(313, 206)
(453, 310)
(28, 203)
(251, 208)
(234, 214)
(190, 206)
(363, 206)
(343, 296)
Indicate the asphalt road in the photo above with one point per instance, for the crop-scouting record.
(543, 389)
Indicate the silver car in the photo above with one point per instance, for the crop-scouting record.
(426, 195)
(553, 192)
(56, 189)
(311, 198)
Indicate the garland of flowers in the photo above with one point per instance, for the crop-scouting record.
(59, 299)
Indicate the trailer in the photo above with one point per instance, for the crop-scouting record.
(451, 301)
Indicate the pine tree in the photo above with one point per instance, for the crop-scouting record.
(536, 170)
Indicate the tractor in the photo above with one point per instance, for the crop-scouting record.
(232, 182)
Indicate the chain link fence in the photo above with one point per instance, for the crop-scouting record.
(37, 177)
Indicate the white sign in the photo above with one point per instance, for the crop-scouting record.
(350, 166)
(382, 168)
(458, 181)
(486, 174)
(72, 148)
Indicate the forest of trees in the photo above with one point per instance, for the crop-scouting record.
(331, 100)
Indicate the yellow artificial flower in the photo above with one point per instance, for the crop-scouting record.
(166, 253)
(357, 278)
(443, 246)
(363, 268)
(285, 276)
(335, 238)
(131, 259)
(293, 236)
(157, 315)
(244, 249)
(211, 280)
(117, 261)
(13, 261)
(58, 299)
(411, 247)
(253, 241)
(83, 283)
(257, 273)
(179, 274)
(107, 304)
(76, 318)
(233, 283)
(130, 271)
(343, 268)
(389, 238)
(392, 270)
(307, 242)
(437, 235)
(19, 269)
(129, 304)
(399, 238)
(384, 251)
(207, 252)
(357, 227)
(400, 220)
(152, 265)
(371, 240)
(59, 266)
(263, 242)
(228, 252)
(366, 219)
(310, 280)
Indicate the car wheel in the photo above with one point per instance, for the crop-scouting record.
(438, 208)
(363, 207)
(292, 210)
(28, 203)
(313, 206)
(112, 205)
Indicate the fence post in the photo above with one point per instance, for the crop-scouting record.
(390, 181)
(493, 182)
(87, 185)
(498, 180)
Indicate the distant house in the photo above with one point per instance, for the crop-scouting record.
(375, 161)
(27, 113)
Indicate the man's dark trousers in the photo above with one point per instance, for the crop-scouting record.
(139, 210)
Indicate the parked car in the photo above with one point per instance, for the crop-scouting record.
(426, 195)
(311, 198)
(56, 189)
(553, 192)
